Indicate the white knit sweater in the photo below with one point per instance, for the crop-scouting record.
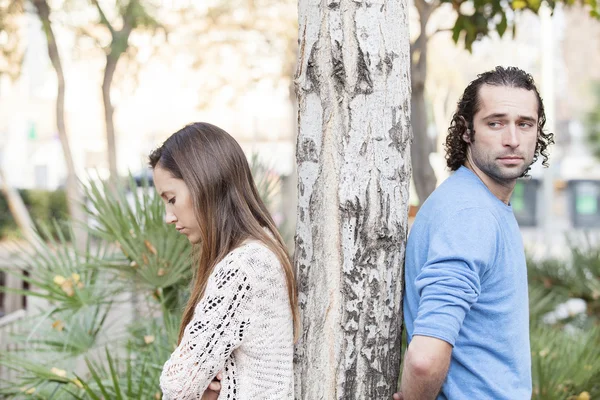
(242, 326)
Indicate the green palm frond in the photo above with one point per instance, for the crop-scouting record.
(67, 333)
(563, 363)
(37, 380)
(121, 379)
(151, 251)
(57, 272)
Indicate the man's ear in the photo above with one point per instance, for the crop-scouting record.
(467, 136)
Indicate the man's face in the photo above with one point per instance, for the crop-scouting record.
(506, 132)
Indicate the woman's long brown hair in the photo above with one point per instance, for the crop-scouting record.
(226, 202)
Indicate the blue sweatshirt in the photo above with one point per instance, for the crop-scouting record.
(466, 284)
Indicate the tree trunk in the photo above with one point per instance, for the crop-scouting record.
(74, 196)
(118, 46)
(353, 179)
(423, 175)
(109, 73)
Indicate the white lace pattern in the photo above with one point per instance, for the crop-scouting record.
(242, 326)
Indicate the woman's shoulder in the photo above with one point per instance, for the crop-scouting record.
(254, 257)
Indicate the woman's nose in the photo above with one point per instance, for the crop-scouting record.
(170, 218)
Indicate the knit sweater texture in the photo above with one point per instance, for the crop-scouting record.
(242, 326)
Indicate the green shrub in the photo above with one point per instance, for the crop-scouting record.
(44, 207)
(566, 353)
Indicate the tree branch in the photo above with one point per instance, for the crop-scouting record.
(128, 17)
(103, 18)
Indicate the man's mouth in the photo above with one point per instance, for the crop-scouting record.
(510, 158)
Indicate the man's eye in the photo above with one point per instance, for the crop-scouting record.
(494, 124)
(171, 200)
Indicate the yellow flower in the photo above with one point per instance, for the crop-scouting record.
(544, 353)
(583, 396)
(59, 280)
(161, 272)
(60, 372)
(30, 391)
(133, 264)
(58, 325)
(149, 339)
(75, 277)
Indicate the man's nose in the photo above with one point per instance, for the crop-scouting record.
(511, 137)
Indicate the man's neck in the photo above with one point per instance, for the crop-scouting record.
(502, 190)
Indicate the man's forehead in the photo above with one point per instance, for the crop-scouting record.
(503, 99)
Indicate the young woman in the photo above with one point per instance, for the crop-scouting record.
(241, 317)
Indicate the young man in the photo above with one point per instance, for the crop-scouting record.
(465, 303)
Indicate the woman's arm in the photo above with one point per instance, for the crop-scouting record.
(220, 321)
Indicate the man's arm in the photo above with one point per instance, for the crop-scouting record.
(425, 367)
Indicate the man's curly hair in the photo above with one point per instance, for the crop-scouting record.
(469, 103)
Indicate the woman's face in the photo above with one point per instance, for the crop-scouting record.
(178, 202)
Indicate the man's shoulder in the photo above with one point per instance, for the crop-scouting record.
(454, 194)
(457, 203)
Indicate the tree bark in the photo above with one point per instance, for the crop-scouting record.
(109, 72)
(423, 175)
(74, 196)
(118, 46)
(353, 154)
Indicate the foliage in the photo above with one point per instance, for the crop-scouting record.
(565, 364)
(566, 352)
(478, 18)
(43, 206)
(11, 53)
